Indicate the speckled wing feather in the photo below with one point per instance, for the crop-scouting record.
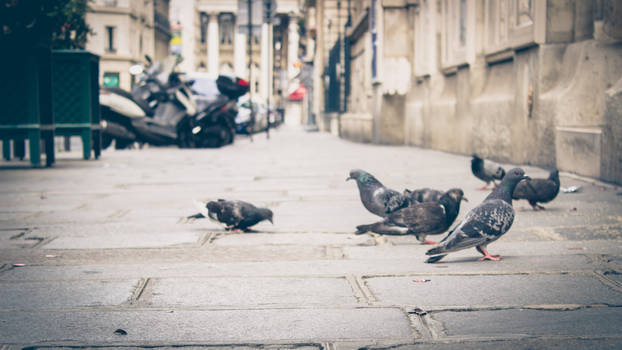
(484, 224)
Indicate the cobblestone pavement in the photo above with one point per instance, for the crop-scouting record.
(100, 254)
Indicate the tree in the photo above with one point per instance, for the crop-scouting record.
(60, 24)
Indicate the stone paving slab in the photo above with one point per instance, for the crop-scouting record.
(408, 246)
(52, 295)
(309, 268)
(250, 292)
(491, 291)
(183, 326)
(592, 322)
(556, 343)
(192, 347)
(125, 240)
(255, 239)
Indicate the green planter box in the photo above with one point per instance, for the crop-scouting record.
(75, 94)
(26, 100)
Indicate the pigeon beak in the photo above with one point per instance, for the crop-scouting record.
(465, 199)
(271, 221)
(349, 178)
(525, 177)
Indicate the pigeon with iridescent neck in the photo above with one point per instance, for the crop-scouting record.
(421, 219)
(377, 198)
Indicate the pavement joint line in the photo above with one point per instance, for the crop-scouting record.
(207, 238)
(139, 290)
(607, 281)
(357, 290)
(483, 273)
(460, 339)
(420, 329)
(268, 345)
(328, 346)
(203, 308)
(550, 307)
(42, 241)
(362, 285)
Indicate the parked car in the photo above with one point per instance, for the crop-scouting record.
(244, 123)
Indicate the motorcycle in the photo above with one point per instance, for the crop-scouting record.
(156, 111)
(119, 107)
(214, 125)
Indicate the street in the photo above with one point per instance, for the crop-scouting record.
(101, 253)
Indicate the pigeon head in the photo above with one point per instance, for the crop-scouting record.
(512, 178)
(457, 195)
(266, 214)
(362, 177)
(213, 206)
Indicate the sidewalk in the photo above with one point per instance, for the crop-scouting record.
(105, 246)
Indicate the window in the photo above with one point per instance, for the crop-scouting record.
(457, 33)
(111, 79)
(226, 29)
(425, 38)
(512, 24)
(203, 27)
(110, 39)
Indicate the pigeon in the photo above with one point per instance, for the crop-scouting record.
(376, 198)
(538, 190)
(486, 170)
(421, 219)
(424, 195)
(483, 224)
(237, 215)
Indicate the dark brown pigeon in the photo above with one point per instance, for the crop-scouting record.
(421, 219)
(424, 195)
(486, 170)
(237, 215)
(483, 224)
(375, 197)
(538, 190)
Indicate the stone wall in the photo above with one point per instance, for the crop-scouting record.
(546, 93)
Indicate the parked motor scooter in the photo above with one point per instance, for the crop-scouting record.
(175, 106)
(119, 107)
(214, 125)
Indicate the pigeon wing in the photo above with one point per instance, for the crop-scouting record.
(421, 218)
(484, 224)
(231, 213)
(393, 200)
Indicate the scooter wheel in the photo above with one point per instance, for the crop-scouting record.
(106, 141)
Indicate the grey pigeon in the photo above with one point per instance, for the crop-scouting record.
(483, 224)
(377, 198)
(237, 215)
(421, 219)
(538, 190)
(486, 170)
(424, 195)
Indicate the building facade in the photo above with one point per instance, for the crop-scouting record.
(528, 82)
(212, 41)
(124, 32)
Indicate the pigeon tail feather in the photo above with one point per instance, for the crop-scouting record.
(433, 259)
